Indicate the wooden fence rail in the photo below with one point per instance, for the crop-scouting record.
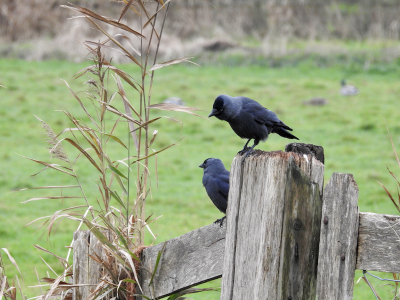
(282, 240)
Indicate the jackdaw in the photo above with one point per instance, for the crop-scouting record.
(249, 119)
(216, 182)
(347, 89)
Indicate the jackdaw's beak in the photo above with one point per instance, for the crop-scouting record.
(202, 166)
(213, 113)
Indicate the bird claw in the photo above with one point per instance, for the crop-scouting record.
(247, 153)
(220, 221)
(244, 150)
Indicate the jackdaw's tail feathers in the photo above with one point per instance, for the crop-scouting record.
(284, 126)
(284, 133)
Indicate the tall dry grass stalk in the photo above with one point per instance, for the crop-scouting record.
(116, 214)
(9, 290)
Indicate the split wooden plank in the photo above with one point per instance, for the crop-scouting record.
(255, 246)
(191, 259)
(379, 243)
(300, 242)
(95, 269)
(314, 155)
(85, 269)
(81, 263)
(338, 240)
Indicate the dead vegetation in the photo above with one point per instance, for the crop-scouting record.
(199, 26)
(114, 210)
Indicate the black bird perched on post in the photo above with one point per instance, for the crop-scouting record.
(216, 182)
(249, 119)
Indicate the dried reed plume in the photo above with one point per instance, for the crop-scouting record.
(57, 150)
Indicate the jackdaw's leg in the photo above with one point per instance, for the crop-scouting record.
(220, 221)
(251, 148)
(245, 147)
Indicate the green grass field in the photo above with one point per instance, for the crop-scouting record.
(352, 131)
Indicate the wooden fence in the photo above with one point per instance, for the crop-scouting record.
(286, 237)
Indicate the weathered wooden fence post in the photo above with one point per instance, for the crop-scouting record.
(338, 241)
(273, 226)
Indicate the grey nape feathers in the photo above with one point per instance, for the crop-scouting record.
(249, 119)
(216, 182)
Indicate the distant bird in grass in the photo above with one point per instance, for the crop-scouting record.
(174, 100)
(249, 119)
(316, 102)
(216, 182)
(347, 89)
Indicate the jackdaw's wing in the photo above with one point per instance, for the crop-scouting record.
(263, 115)
(223, 184)
(260, 114)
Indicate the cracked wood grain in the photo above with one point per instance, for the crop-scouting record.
(191, 259)
(85, 269)
(338, 241)
(379, 243)
(272, 227)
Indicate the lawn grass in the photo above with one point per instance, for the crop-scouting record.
(351, 130)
